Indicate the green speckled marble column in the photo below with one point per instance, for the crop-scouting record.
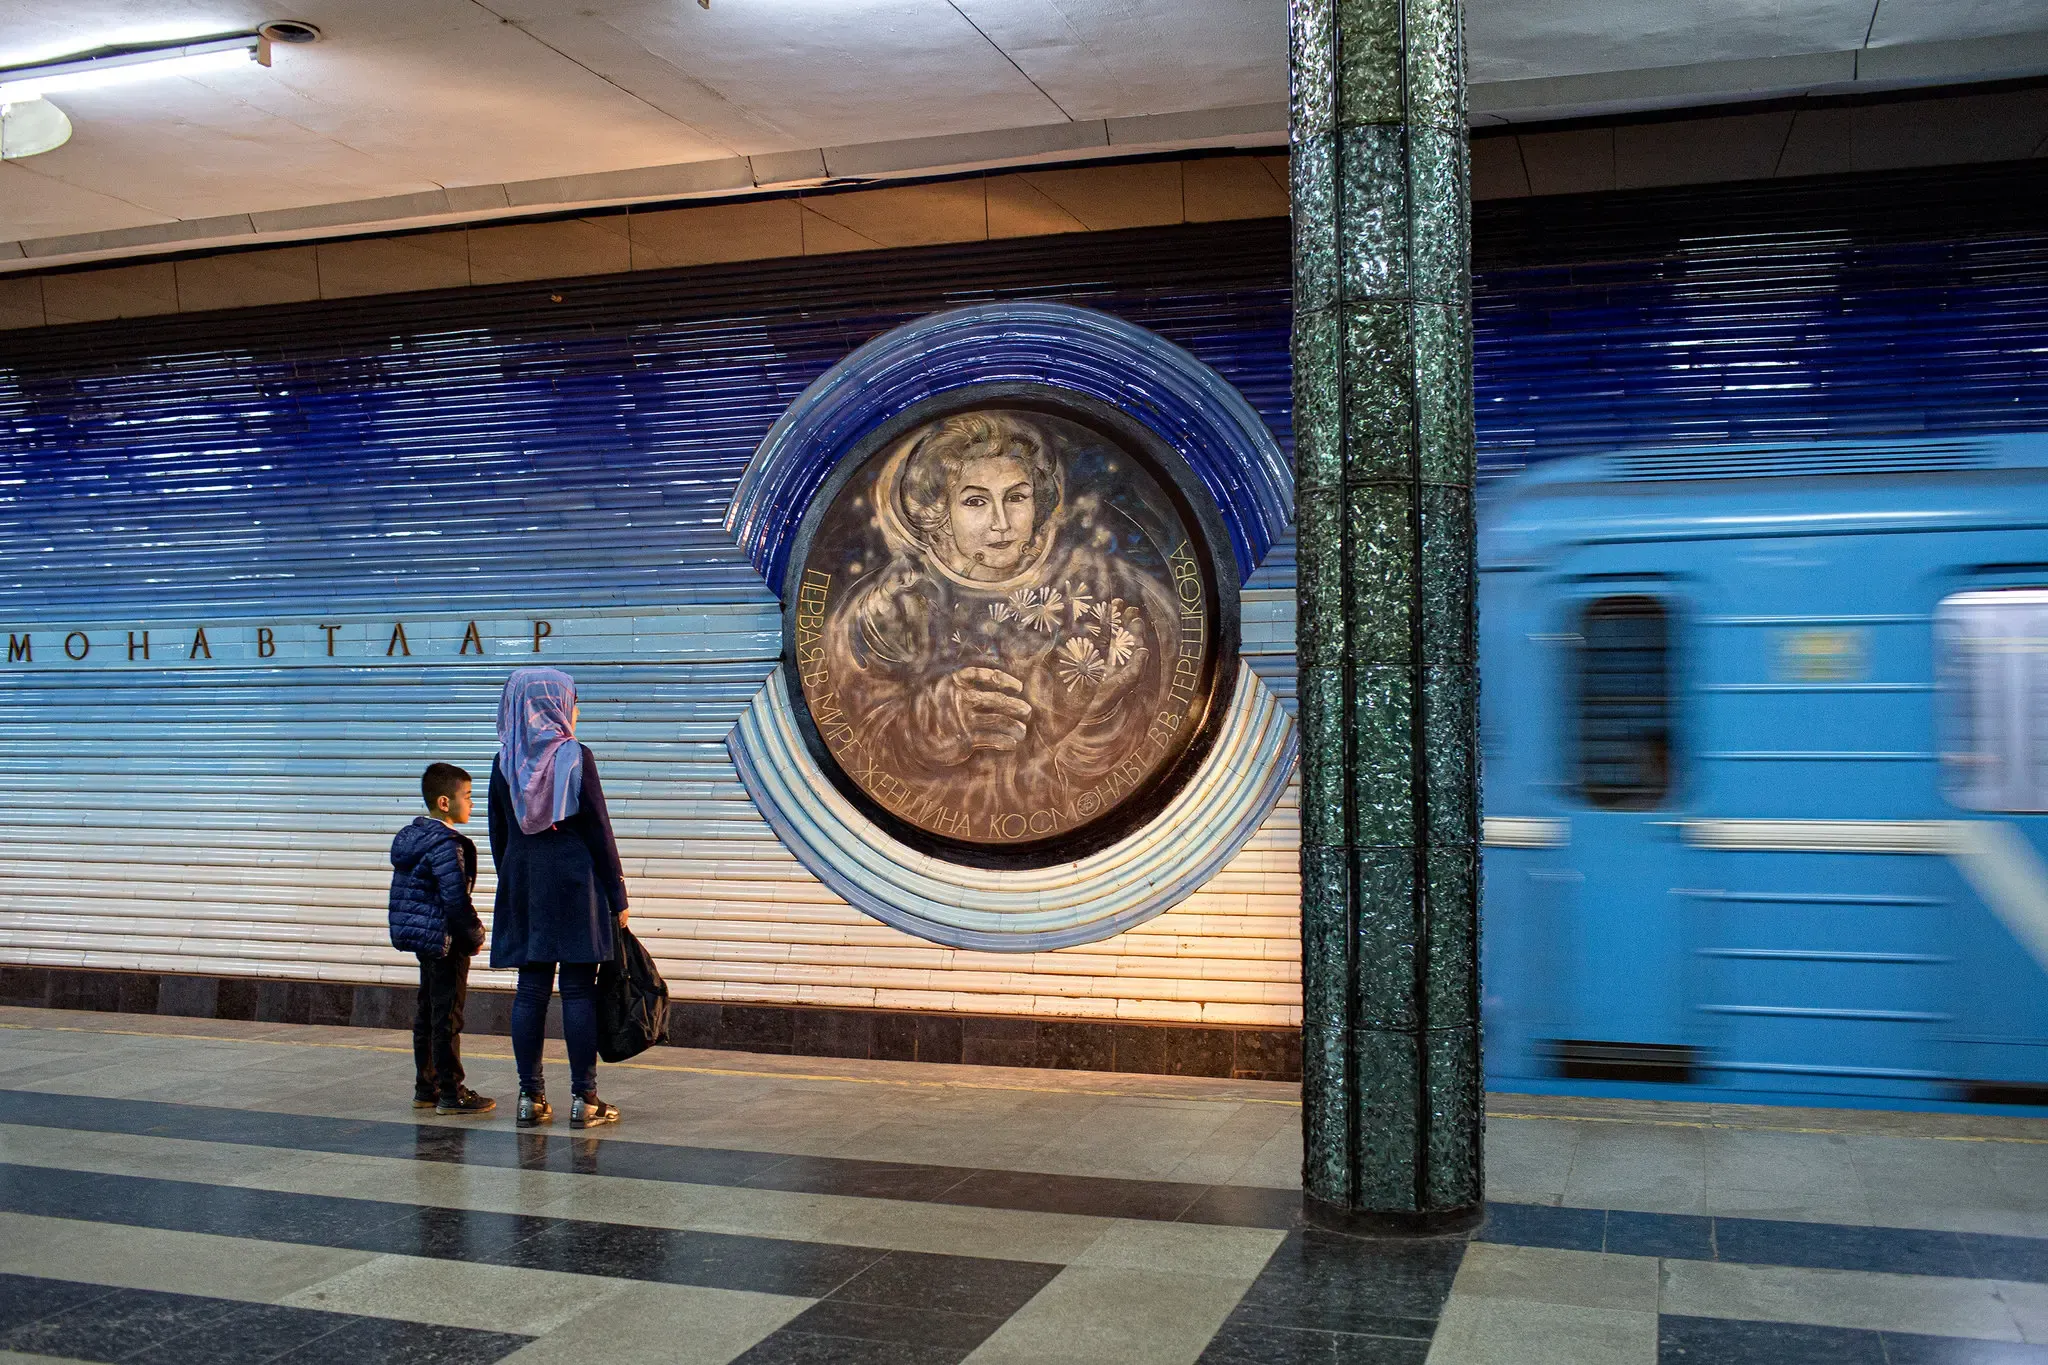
(1389, 692)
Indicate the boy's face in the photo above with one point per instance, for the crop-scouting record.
(454, 810)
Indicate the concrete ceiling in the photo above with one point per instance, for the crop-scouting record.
(418, 111)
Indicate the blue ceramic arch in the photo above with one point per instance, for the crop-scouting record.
(1187, 404)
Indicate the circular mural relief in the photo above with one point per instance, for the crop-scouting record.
(1004, 626)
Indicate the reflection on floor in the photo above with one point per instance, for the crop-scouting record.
(182, 1190)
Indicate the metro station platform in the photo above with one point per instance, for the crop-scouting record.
(179, 1190)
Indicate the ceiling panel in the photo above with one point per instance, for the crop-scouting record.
(1519, 39)
(1922, 21)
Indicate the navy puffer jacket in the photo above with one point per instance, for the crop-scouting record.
(432, 871)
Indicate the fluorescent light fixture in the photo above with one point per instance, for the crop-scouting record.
(31, 127)
(124, 62)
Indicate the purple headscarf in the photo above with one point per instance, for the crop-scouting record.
(537, 748)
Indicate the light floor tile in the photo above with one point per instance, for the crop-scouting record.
(1184, 1248)
(663, 1324)
(2029, 1306)
(1926, 1304)
(1115, 1315)
(1478, 1331)
(488, 1298)
(169, 1262)
(1818, 1165)
(1794, 1205)
(1576, 1279)
(960, 1230)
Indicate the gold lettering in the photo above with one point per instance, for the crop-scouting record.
(84, 645)
(330, 638)
(398, 641)
(20, 649)
(470, 637)
(132, 646)
(266, 642)
(199, 645)
(541, 631)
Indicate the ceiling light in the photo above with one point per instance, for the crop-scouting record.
(30, 127)
(123, 62)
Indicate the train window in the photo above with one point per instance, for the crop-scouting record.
(1993, 660)
(1624, 703)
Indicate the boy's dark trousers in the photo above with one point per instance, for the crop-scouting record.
(437, 1026)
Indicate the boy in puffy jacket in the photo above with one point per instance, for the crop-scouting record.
(433, 869)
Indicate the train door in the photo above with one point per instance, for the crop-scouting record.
(1620, 747)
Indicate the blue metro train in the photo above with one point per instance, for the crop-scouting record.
(1766, 743)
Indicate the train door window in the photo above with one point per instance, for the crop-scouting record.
(1993, 660)
(1624, 702)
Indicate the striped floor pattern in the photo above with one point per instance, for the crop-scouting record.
(172, 1191)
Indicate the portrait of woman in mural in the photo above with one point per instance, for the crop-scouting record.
(1002, 627)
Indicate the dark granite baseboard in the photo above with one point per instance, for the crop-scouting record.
(1266, 1054)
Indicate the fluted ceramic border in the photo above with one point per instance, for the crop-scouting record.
(1028, 910)
(1190, 407)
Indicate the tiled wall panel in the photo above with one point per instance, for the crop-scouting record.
(502, 456)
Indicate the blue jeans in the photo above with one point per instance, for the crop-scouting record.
(579, 1023)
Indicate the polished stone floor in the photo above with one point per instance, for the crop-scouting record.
(177, 1190)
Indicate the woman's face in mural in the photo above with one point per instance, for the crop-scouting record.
(992, 513)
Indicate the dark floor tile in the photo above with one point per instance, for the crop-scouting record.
(804, 1348)
(27, 1298)
(1250, 1342)
(404, 1343)
(861, 1179)
(1832, 1246)
(939, 1038)
(1680, 1236)
(1076, 1046)
(1035, 1192)
(2007, 1258)
(25, 986)
(1732, 1341)
(1267, 1054)
(449, 1234)
(52, 1193)
(999, 1042)
(889, 1322)
(643, 1160)
(190, 997)
(1324, 1281)
(1197, 1051)
(954, 1284)
(234, 998)
(250, 1334)
(692, 1023)
(895, 1038)
(1246, 1206)
(1901, 1348)
(714, 1260)
(757, 1027)
(832, 1033)
(115, 1326)
(138, 992)
(1544, 1225)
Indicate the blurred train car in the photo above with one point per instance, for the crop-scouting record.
(1766, 745)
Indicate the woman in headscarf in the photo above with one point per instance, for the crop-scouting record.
(561, 891)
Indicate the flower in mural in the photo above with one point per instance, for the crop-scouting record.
(1080, 605)
(1002, 611)
(1041, 608)
(1122, 645)
(1078, 661)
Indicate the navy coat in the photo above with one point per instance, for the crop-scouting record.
(560, 891)
(432, 871)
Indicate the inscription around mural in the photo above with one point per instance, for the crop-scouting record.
(1003, 628)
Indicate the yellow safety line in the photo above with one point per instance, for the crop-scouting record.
(689, 1070)
(1042, 1089)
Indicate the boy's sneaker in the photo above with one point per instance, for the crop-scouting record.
(464, 1102)
(535, 1110)
(591, 1112)
(424, 1099)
